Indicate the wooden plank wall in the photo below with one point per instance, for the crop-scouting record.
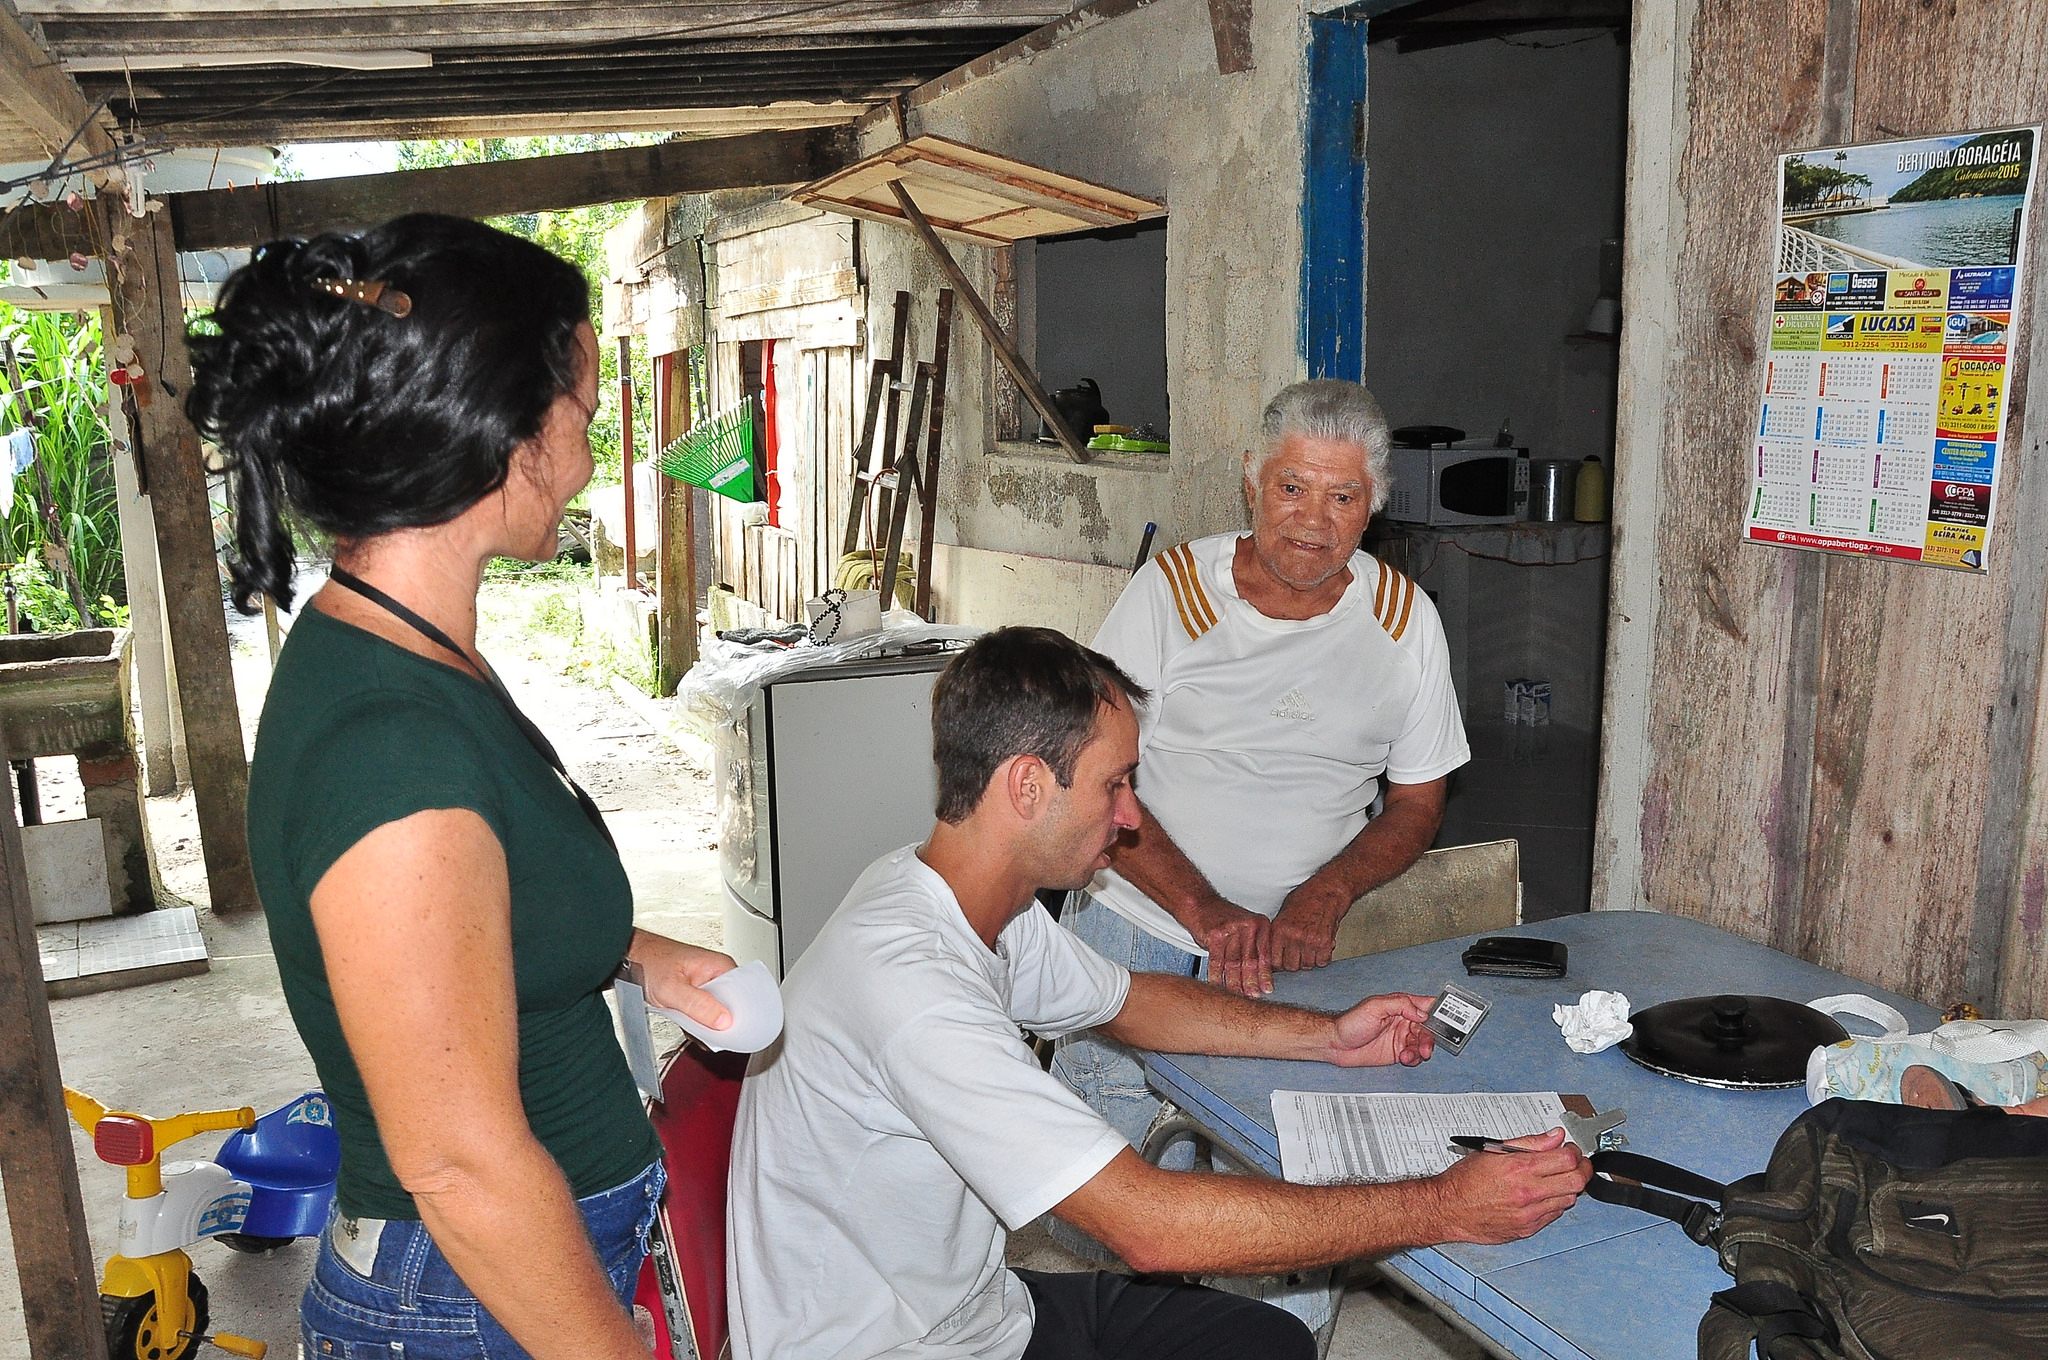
(1845, 756)
(779, 568)
(825, 475)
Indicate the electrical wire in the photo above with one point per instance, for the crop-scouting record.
(219, 114)
(1553, 46)
(692, 31)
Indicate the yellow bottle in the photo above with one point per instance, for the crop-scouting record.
(1589, 502)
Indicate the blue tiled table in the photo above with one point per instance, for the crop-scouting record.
(1603, 1282)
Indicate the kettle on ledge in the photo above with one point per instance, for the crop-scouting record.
(1081, 407)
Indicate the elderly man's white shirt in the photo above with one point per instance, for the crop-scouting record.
(901, 1121)
(1263, 747)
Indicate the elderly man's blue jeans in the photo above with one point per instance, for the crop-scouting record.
(1111, 1078)
(1106, 1074)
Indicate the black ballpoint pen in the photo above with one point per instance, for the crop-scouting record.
(1470, 1143)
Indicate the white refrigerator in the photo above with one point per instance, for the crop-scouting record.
(830, 769)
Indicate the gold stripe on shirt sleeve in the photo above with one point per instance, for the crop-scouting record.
(1379, 595)
(1176, 564)
(1407, 603)
(1179, 564)
(1201, 595)
(1179, 603)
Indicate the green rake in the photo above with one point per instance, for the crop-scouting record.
(717, 455)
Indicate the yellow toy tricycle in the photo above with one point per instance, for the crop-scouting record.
(278, 1179)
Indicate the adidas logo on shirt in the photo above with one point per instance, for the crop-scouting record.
(1293, 707)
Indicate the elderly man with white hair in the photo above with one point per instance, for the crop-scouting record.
(1293, 673)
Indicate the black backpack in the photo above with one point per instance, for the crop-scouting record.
(1878, 1232)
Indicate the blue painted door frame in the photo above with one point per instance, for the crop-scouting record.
(1333, 199)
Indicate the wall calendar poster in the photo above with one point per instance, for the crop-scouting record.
(1899, 273)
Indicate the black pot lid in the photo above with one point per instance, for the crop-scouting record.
(1425, 436)
(1745, 1042)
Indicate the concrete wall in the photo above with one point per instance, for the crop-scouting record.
(1135, 103)
(1495, 170)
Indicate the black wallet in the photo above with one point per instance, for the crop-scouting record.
(1515, 956)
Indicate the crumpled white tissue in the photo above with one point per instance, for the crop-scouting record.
(1599, 1021)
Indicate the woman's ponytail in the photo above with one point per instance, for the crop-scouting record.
(335, 412)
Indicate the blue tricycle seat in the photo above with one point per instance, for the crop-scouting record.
(290, 1160)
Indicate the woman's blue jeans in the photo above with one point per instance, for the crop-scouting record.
(410, 1305)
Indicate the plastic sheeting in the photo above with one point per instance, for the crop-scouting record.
(722, 685)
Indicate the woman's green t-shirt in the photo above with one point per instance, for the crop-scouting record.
(357, 733)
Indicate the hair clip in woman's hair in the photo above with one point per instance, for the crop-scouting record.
(371, 293)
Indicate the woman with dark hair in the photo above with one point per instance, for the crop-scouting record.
(445, 904)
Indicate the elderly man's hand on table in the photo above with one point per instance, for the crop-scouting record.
(1305, 929)
(1237, 942)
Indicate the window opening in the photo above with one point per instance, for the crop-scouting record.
(1091, 319)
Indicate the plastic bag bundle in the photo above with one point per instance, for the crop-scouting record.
(722, 685)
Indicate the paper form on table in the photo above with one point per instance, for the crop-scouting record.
(1328, 1139)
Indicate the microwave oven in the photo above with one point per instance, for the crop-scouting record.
(1468, 483)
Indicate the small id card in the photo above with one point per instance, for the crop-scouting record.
(1456, 1016)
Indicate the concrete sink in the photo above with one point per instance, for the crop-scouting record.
(66, 694)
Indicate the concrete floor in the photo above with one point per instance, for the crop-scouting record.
(225, 1038)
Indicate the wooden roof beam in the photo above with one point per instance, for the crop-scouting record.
(713, 122)
(223, 218)
(446, 29)
(35, 90)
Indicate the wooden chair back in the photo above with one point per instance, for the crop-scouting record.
(1458, 890)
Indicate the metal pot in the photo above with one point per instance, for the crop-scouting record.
(1081, 407)
(1755, 1043)
(1552, 485)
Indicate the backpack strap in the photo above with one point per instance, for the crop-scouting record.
(1984, 1041)
(1686, 1208)
(1775, 1310)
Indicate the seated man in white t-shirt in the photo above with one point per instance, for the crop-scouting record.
(901, 1123)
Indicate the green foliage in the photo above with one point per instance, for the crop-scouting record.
(512, 569)
(540, 618)
(286, 167)
(41, 599)
(557, 613)
(1806, 185)
(577, 235)
(65, 380)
